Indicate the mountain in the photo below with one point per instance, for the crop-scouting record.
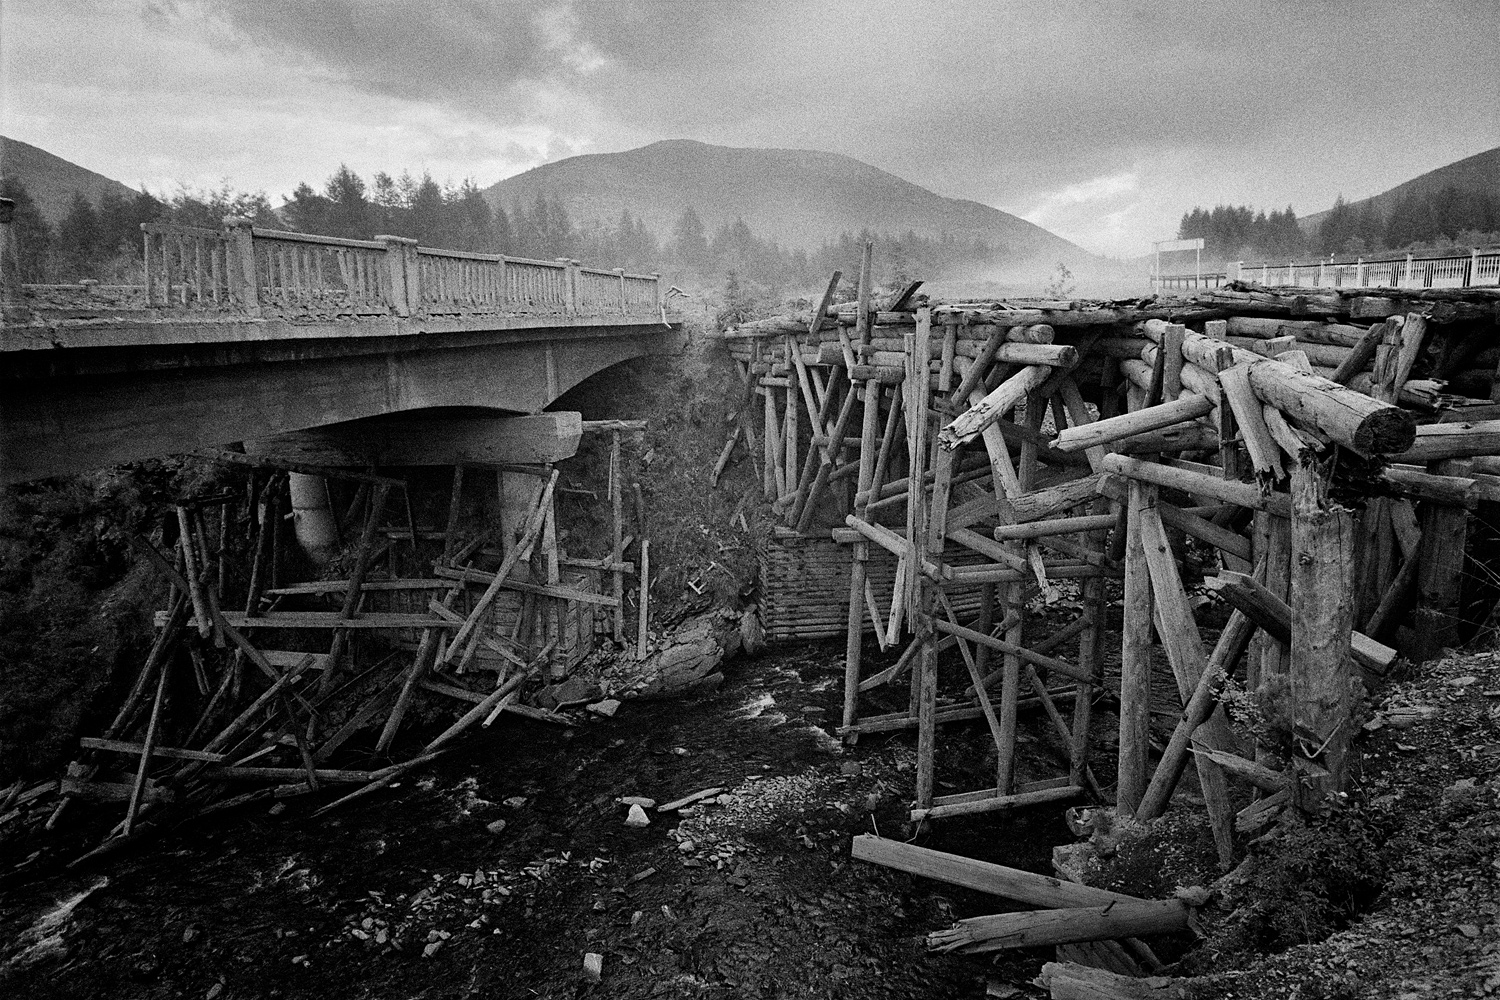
(1480, 172)
(51, 180)
(797, 197)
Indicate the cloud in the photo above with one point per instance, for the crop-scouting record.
(1013, 104)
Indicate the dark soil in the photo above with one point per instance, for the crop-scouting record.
(412, 895)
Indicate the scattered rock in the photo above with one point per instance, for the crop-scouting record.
(637, 800)
(573, 691)
(498, 826)
(593, 966)
(607, 708)
(516, 801)
(637, 817)
(851, 768)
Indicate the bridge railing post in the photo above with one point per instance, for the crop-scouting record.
(404, 287)
(656, 291)
(570, 283)
(239, 270)
(621, 272)
(10, 259)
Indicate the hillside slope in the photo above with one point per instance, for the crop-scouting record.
(798, 197)
(51, 180)
(1480, 172)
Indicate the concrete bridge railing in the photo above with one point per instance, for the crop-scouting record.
(254, 271)
(1475, 269)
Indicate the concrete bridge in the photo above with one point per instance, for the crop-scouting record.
(370, 351)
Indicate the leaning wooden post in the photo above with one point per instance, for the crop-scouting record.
(205, 620)
(645, 592)
(1322, 581)
(1135, 657)
(919, 597)
(148, 744)
(356, 585)
(860, 554)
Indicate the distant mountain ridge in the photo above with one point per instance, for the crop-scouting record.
(797, 197)
(51, 181)
(1480, 172)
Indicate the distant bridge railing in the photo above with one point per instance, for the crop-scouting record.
(247, 269)
(1475, 269)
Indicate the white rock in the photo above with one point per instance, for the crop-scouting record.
(497, 826)
(637, 817)
(607, 708)
(637, 800)
(593, 966)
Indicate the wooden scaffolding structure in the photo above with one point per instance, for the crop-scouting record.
(989, 451)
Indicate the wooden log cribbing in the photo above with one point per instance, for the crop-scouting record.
(1356, 421)
(1038, 928)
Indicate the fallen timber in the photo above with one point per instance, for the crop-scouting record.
(1327, 446)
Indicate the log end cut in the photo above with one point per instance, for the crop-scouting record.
(1387, 431)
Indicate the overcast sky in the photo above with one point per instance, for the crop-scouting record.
(1103, 122)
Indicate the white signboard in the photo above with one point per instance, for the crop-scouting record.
(1165, 246)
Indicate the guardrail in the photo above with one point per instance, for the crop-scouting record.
(1476, 269)
(255, 271)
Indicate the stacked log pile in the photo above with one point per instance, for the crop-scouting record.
(249, 694)
(1321, 445)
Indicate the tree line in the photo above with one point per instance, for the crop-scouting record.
(102, 241)
(1446, 218)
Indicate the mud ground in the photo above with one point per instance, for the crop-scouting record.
(495, 871)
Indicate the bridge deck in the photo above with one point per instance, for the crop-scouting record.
(246, 333)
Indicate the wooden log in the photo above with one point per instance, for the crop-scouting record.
(1199, 527)
(981, 876)
(1360, 357)
(1178, 632)
(1249, 414)
(1352, 419)
(352, 595)
(1071, 981)
(1135, 658)
(122, 746)
(642, 632)
(1003, 646)
(1182, 437)
(148, 745)
(1232, 643)
(993, 406)
(1242, 494)
(1271, 613)
(540, 589)
(1322, 579)
(1440, 570)
(467, 636)
(1080, 437)
(1039, 928)
(1435, 442)
(1402, 341)
(1314, 331)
